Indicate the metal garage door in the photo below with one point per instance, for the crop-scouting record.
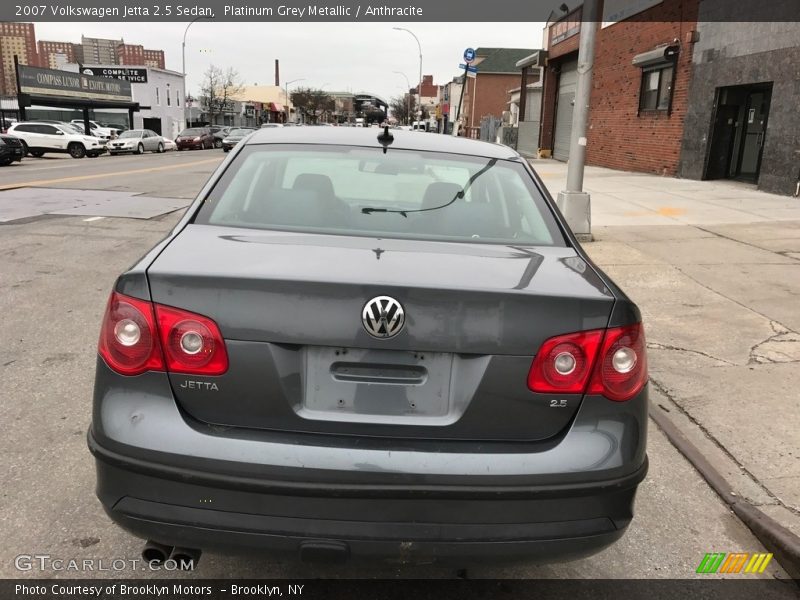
(567, 84)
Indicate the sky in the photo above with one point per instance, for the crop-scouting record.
(356, 57)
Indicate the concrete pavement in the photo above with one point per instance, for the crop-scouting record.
(715, 268)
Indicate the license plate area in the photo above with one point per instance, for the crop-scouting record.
(377, 386)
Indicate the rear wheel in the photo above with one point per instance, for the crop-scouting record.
(217, 143)
(160, 148)
(4, 162)
(24, 148)
(140, 149)
(76, 150)
(37, 153)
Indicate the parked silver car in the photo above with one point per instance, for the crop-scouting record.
(137, 141)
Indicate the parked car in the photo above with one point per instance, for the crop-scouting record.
(40, 138)
(314, 363)
(119, 127)
(235, 136)
(195, 137)
(107, 133)
(169, 145)
(137, 141)
(219, 134)
(10, 150)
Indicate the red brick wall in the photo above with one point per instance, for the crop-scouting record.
(155, 56)
(490, 97)
(618, 137)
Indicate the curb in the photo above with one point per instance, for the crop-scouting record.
(776, 538)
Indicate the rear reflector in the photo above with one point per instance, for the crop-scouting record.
(611, 363)
(139, 336)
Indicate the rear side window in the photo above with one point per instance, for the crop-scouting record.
(399, 194)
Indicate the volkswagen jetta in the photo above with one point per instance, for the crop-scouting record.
(375, 343)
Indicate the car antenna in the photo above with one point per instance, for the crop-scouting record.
(385, 139)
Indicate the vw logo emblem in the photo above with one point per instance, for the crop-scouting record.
(383, 317)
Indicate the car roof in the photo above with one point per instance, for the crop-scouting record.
(361, 136)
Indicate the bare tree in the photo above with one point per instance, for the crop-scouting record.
(219, 89)
(313, 103)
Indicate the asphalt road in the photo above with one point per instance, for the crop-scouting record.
(55, 276)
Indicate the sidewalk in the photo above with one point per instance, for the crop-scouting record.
(715, 269)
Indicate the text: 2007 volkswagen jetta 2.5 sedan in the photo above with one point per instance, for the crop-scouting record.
(370, 343)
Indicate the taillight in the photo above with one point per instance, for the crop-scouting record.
(611, 363)
(621, 370)
(139, 336)
(128, 341)
(564, 363)
(192, 343)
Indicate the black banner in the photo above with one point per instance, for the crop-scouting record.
(388, 10)
(131, 74)
(712, 588)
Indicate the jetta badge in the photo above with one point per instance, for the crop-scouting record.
(383, 317)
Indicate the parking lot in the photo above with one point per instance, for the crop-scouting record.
(57, 271)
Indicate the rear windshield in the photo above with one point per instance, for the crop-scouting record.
(362, 191)
(134, 133)
(191, 132)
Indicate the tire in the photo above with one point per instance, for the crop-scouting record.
(217, 143)
(226, 150)
(24, 148)
(93, 155)
(4, 162)
(140, 149)
(76, 150)
(37, 153)
(160, 149)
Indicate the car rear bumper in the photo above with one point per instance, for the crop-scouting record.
(164, 476)
(187, 507)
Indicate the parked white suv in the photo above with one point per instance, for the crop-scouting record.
(98, 130)
(39, 138)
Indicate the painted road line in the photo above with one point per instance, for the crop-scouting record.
(90, 219)
(46, 182)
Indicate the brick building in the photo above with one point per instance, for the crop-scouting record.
(132, 54)
(16, 39)
(154, 58)
(640, 82)
(54, 55)
(487, 93)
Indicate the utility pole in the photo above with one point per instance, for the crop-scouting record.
(574, 203)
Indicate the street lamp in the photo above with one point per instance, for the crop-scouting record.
(407, 96)
(286, 92)
(183, 58)
(419, 88)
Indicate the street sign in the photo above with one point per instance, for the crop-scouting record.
(469, 55)
(472, 74)
(469, 68)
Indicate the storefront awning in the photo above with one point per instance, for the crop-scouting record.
(659, 56)
(275, 107)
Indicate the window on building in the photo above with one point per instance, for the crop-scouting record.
(656, 93)
(158, 97)
(177, 97)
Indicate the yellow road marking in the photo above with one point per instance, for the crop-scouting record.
(43, 182)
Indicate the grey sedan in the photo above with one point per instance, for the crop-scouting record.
(366, 343)
(137, 141)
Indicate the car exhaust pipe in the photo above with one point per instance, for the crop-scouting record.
(186, 558)
(153, 552)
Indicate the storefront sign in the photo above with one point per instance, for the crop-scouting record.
(66, 84)
(133, 75)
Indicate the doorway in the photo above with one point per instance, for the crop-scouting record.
(739, 132)
(153, 124)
